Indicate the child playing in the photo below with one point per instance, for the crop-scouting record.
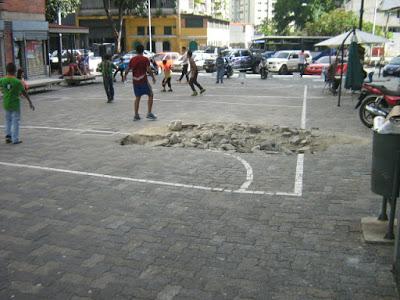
(167, 76)
(20, 76)
(12, 88)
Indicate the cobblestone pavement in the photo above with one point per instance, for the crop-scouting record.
(146, 232)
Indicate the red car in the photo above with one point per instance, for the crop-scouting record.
(321, 64)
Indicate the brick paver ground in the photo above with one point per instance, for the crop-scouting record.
(76, 236)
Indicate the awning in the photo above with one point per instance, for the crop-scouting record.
(55, 28)
(30, 30)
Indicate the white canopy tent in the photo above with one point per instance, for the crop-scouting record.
(361, 37)
(388, 5)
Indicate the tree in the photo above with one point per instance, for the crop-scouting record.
(299, 12)
(332, 23)
(122, 8)
(336, 22)
(267, 27)
(66, 7)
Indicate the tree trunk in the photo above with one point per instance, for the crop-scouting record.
(116, 33)
(121, 24)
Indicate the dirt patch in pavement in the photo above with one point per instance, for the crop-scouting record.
(239, 137)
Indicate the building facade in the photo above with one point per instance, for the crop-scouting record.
(252, 12)
(241, 35)
(382, 19)
(23, 36)
(174, 24)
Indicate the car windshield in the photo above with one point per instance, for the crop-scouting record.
(281, 55)
(395, 61)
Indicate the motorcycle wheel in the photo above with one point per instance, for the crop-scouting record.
(366, 117)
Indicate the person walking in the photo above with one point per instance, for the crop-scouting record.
(185, 65)
(12, 88)
(167, 76)
(302, 62)
(194, 72)
(106, 67)
(220, 64)
(140, 66)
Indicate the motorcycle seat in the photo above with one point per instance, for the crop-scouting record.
(388, 92)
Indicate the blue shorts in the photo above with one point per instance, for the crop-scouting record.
(142, 89)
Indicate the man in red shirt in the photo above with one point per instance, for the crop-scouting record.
(140, 66)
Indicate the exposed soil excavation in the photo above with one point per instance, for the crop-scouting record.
(239, 137)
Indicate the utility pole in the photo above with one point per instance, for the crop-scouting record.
(150, 40)
(361, 15)
(59, 46)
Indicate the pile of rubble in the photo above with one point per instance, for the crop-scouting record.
(236, 137)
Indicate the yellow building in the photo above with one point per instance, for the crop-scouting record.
(169, 32)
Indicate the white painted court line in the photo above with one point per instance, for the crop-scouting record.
(227, 103)
(137, 180)
(72, 129)
(298, 183)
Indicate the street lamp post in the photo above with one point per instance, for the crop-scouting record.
(150, 40)
(361, 15)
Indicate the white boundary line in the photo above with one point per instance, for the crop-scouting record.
(72, 129)
(298, 183)
(157, 182)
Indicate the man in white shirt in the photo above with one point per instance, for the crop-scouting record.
(185, 64)
(302, 62)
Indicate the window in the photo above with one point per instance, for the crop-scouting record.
(140, 30)
(194, 22)
(166, 46)
(294, 56)
(167, 30)
(152, 30)
(245, 53)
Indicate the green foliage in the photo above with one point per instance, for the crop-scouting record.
(338, 21)
(332, 23)
(299, 12)
(66, 7)
(267, 27)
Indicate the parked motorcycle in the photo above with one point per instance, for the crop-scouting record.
(263, 68)
(376, 100)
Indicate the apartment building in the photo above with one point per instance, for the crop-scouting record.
(252, 11)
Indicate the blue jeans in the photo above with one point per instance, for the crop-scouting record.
(109, 87)
(12, 125)
(220, 74)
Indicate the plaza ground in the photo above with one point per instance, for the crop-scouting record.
(83, 217)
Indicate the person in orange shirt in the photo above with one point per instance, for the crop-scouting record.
(167, 76)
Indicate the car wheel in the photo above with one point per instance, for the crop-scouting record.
(283, 70)
(208, 71)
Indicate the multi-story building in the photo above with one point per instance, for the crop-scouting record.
(23, 36)
(173, 24)
(374, 15)
(252, 11)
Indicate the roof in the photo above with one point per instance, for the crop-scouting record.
(55, 28)
(288, 37)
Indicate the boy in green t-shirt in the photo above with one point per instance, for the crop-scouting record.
(12, 88)
(106, 67)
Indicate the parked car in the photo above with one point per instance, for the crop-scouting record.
(209, 63)
(392, 68)
(199, 58)
(321, 64)
(64, 55)
(170, 57)
(244, 60)
(284, 62)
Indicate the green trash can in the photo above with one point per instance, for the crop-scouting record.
(385, 150)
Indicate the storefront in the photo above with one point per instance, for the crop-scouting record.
(2, 55)
(29, 45)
